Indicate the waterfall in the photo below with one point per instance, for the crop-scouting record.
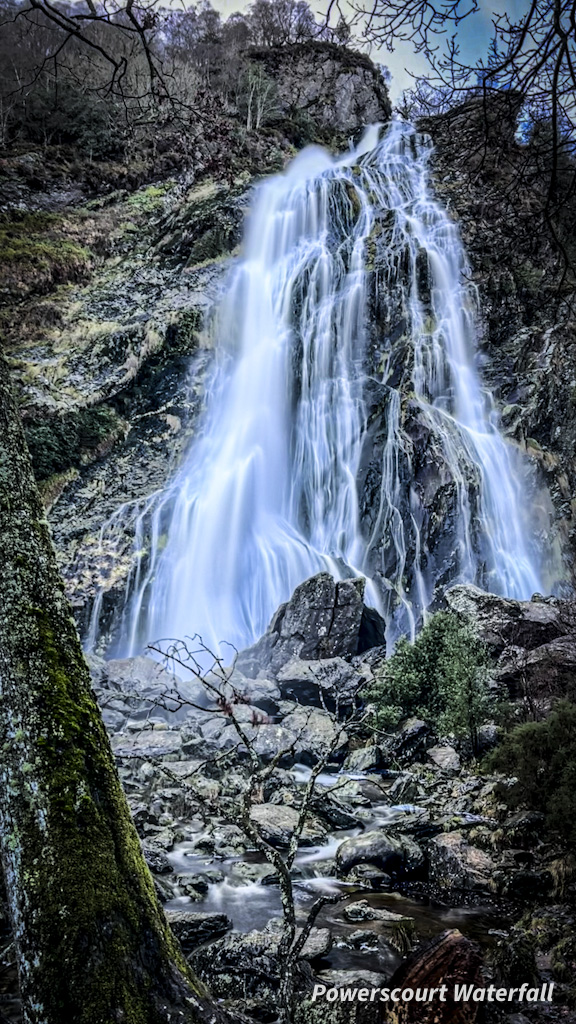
(273, 487)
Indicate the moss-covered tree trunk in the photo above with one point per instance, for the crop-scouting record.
(93, 945)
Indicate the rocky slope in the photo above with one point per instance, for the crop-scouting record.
(110, 341)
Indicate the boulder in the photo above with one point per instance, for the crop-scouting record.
(302, 734)
(364, 759)
(329, 682)
(409, 743)
(444, 757)
(398, 929)
(547, 670)
(500, 621)
(277, 822)
(321, 620)
(247, 966)
(193, 929)
(316, 733)
(142, 683)
(454, 864)
(149, 743)
(398, 856)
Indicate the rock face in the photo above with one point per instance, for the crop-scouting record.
(321, 620)
(247, 966)
(334, 89)
(535, 641)
(529, 338)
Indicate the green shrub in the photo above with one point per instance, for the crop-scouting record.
(442, 677)
(542, 757)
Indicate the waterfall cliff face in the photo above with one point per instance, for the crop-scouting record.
(345, 425)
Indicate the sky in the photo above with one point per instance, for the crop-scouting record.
(474, 35)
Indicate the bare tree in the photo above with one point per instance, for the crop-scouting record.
(225, 700)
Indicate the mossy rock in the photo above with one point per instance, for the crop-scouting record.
(63, 442)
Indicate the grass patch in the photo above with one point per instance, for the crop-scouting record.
(35, 256)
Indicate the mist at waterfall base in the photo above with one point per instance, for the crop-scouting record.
(272, 489)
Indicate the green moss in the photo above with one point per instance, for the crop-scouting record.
(88, 823)
(34, 255)
(64, 442)
(151, 198)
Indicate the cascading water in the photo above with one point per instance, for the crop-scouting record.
(273, 488)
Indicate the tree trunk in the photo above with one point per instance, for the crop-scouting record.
(93, 945)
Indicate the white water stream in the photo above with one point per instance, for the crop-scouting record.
(269, 492)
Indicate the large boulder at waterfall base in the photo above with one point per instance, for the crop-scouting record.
(322, 619)
(534, 641)
(398, 856)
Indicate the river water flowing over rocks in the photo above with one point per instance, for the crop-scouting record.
(348, 316)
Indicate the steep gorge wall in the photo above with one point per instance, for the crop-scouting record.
(492, 186)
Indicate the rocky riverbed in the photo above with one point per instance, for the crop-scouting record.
(402, 833)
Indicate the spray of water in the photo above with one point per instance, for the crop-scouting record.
(268, 494)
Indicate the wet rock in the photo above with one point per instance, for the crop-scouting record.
(321, 620)
(355, 978)
(448, 959)
(333, 811)
(362, 911)
(245, 965)
(409, 743)
(398, 856)
(278, 822)
(369, 873)
(454, 864)
(445, 758)
(331, 681)
(501, 621)
(194, 929)
(363, 759)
